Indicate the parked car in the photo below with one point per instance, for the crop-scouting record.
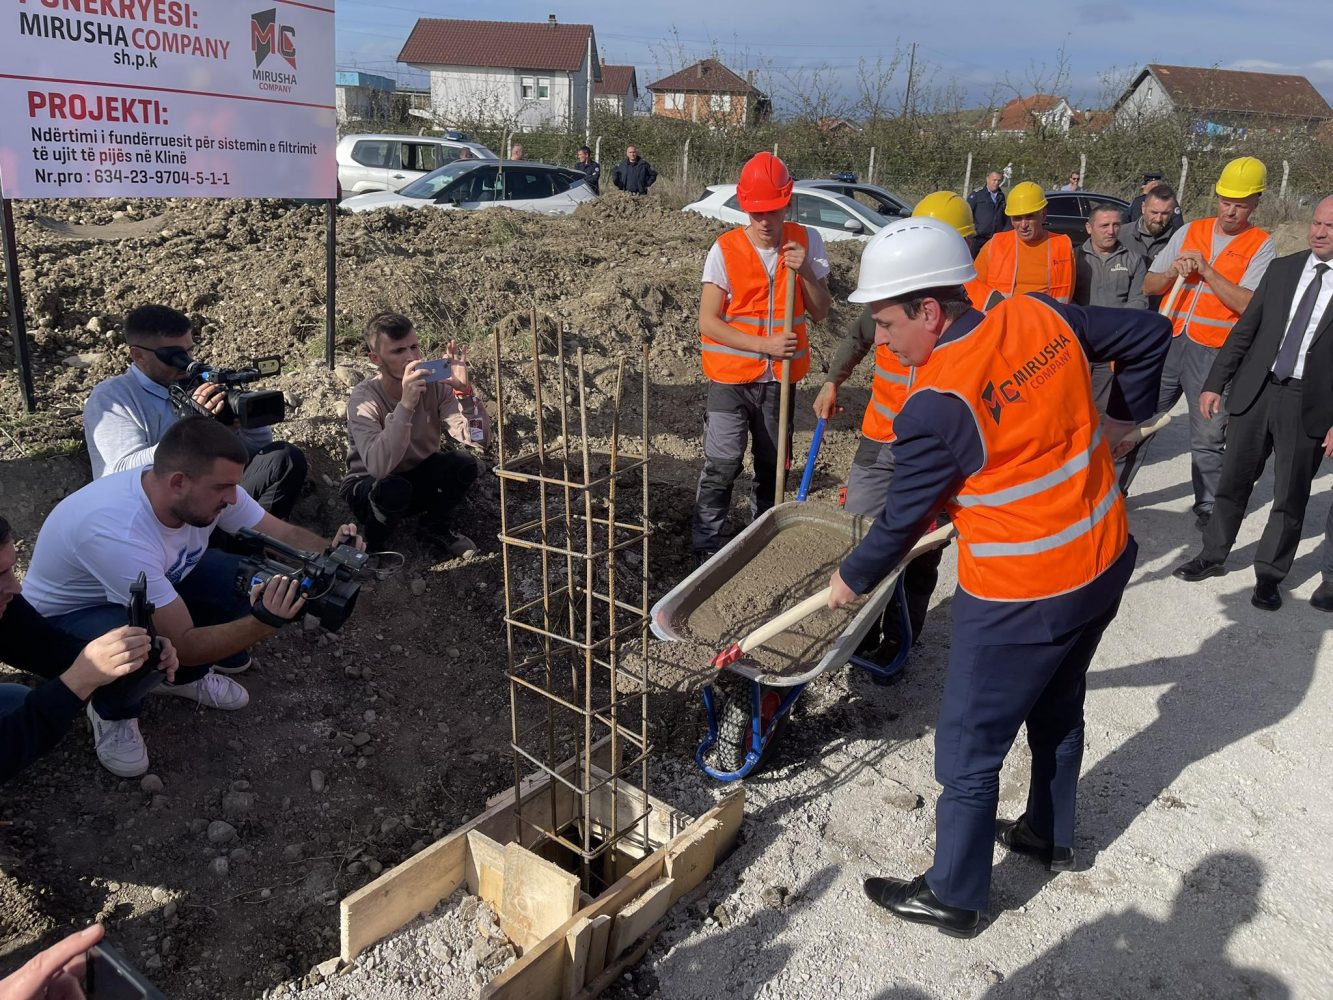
(475, 184)
(1067, 211)
(388, 162)
(885, 202)
(836, 216)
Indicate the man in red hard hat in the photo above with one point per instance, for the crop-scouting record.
(741, 319)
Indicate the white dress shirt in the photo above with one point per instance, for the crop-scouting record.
(1320, 307)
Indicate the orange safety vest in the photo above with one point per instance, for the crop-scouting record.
(1043, 516)
(756, 307)
(1197, 310)
(1010, 271)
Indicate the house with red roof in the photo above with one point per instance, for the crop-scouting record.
(519, 73)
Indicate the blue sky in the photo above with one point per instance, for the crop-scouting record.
(980, 54)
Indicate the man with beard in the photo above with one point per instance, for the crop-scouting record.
(1151, 230)
(157, 522)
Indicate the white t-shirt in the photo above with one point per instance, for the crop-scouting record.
(98, 540)
(715, 272)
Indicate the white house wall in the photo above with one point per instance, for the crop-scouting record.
(462, 92)
(1147, 100)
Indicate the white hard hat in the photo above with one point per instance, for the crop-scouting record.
(911, 254)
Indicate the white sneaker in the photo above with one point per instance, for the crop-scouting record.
(246, 664)
(212, 691)
(119, 745)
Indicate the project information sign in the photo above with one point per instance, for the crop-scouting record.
(167, 99)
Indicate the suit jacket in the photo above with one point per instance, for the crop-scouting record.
(1247, 357)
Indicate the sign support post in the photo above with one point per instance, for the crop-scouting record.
(330, 280)
(18, 328)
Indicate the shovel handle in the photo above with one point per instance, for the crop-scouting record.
(786, 620)
(784, 395)
(1170, 300)
(809, 472)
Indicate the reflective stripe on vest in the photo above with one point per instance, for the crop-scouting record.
(1002, 267)
(1197, 311)
(1043, 515)
(888, 392)
(755, 307)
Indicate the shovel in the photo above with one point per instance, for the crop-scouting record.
(784, 396)
(1170, 300)
(814, 602)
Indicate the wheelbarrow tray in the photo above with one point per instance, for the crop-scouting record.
(671, 614)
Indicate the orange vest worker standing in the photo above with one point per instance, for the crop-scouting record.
(1220, 261)
(743, 346)
(1027, 258)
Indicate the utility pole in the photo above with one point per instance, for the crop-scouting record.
(911, 73)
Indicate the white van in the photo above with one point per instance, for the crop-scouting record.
(388, 162)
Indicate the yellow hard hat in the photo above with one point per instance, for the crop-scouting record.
(1025, 199)
(1242, 177)
(948, 207)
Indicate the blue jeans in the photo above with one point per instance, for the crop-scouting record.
(209, 592)
(12, 697)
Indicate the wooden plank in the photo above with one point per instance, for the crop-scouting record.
(401, 894)
(578, 939)
(636, 918)
(690, 861)
(601, 937)
(730, 812)
(538, 897)
(485, 868)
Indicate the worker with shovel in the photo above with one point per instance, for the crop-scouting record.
(1208, 273)
(1001, 430)
(872, 465)
(762, 283)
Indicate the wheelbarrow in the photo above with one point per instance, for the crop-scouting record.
(743, 729)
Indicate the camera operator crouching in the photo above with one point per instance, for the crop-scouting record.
(397, 421)
(157, 522)
(126, 415)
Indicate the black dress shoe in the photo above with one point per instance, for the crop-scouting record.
(913, 901)
(1322, 598)
(1266, 596)
(1017, 836)
(1198, 569)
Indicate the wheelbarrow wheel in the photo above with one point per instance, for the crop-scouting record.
(735, 731)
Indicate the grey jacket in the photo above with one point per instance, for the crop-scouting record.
(1148, 247)
(1116, 280)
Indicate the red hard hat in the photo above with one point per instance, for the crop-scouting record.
(765, 185)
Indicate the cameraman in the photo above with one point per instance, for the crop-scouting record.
(126, 415)
(157, 522)
(32, 720)
(396, 421)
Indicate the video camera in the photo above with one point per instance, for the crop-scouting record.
(330, 581)
(248, 408)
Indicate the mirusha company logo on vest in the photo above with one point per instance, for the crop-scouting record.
(270, 38)
(1034, 373)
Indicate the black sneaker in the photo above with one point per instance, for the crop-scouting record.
(454, 543)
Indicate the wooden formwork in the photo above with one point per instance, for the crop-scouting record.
(569, 944)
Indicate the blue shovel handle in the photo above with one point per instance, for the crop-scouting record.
(815, 442)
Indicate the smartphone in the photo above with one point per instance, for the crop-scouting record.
(437, 370)
(111, 977)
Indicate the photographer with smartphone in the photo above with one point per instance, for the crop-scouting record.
(32, 720)
(397, 421)
(127, 414)
(97, 541)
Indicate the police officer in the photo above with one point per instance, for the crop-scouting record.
(1000, 429)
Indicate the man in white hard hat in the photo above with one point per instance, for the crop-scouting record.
(1001, 430)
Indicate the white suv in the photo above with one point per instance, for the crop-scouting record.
(388, 162)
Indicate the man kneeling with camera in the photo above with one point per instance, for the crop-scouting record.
(126, 415)
(212, 605)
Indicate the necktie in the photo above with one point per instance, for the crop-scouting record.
(1285, 365)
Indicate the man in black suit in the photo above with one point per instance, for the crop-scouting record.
(1278, 360)
(987, 204)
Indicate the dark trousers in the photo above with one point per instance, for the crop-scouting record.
(1272, 426)
(209, 592)
(989, 692)
(736, 414)
(1187, 366)
(274, 477)
(433, 489)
